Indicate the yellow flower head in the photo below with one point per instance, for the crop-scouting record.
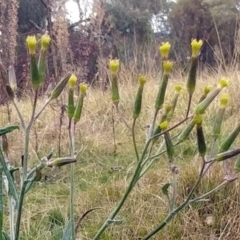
(196, 46)
(164, 125)
(45, 41)
(224, 100)
(223, 83)
(178, 88)
(83, 87)
(164, 49)
(142, 79)
(114, 65)
(207, 89)
(31, 44)
(167, 66)
(198, 119)
(72, 81)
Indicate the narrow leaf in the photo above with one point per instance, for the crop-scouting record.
(12, 187)
(8, 129)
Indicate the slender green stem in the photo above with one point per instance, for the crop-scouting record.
(153, 124)
(134, 139)
(25, 155)
(19, 211)
(210, 192)
(43, 107)
(19, 114)
(189, 104)
(72, 149)
(11, 204)
(26, 139)
(174, 194)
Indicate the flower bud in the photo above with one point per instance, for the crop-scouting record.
(115, 91)
(228, 154)
(138, 100)
(186, 131)
(45, 41)
(228, 141)
(59, 162)
(161, 91)
(12, 78)
(203, 105)
(60, 86)
(10, 92)
(78, 109)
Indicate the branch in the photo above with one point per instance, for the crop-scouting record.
(37, 27)
(78, 22)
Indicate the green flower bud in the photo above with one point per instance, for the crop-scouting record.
(161, 91)
(115, 92)
(78, 109)
(203, 105)
(169, 145)
(228, 154)
(60, 86)
(191, 83)
(219, 117)
(138, 100)
(202, 149)
(36, 79)
(186, 131)
(59, 162)
(228, 141)
(10, 92)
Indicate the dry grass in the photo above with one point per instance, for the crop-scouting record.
(102, 174)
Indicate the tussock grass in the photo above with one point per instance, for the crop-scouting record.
(107, 160)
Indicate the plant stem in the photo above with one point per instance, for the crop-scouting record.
(26, 139)
(134, 139)
(19, 211)
(189, 104)
(210, 192)
(174, 185)
(11, 204)
(43, 107)
(72, 146)
(19, 114)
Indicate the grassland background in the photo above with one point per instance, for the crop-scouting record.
(102, 173)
